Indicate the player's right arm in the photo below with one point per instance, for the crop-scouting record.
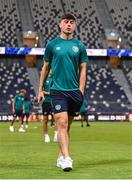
(43, 76)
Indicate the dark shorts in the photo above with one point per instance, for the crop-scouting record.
(46, 108)
(18, 113)
(66, 101)
(83, 113)
(27, 115)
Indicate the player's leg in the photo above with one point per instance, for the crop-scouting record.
(81, 119)
(52, 122)
(14, 119)
(27, 118)
(46, 107)
(45, 128)
(61, 120)
(61, 104)
(11, 128)
(59, 107)
(75, 102)
(21, 117)
(86, 119)
(55, 138)
(61, 158)
(62, 126)
(64, 161)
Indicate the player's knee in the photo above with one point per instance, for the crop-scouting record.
(63, 125)
(45, 121)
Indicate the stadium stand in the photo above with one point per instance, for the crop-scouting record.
(13, 78)
(103, 92)
(9, 23)
(89, 25)
(121, 13)
(46, 14)
(128, 74)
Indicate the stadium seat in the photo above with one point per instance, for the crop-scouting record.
(89, 28)
(9, 23)
(13, 78)
(120, 12)
(103, 92)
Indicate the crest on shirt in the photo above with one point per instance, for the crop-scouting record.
(58, 107)
(75, 48)
(58, 48)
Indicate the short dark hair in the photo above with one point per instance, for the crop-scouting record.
(22, 91)
(68, 16)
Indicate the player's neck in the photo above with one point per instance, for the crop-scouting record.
(66, 36)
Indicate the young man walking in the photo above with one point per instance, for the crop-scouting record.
(67, 58)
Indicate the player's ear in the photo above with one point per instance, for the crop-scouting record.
(60, 24)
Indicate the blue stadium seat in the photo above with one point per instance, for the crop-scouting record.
(103, 93)
(13, 78)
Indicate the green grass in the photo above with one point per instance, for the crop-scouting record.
(103, 150)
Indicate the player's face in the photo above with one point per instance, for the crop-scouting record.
(23, 94)
(67, 26)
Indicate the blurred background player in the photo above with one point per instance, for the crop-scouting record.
(52, 121)
(17, 109)
(27, 111)
(47, 109)
(83, 112)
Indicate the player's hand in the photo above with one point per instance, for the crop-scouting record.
(41, 96)
(46, 93)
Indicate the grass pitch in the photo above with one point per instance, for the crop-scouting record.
(101, 151)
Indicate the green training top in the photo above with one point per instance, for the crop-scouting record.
(84, 106)
(19, 100)
(27, 106)
(65, 57)
(47, 87)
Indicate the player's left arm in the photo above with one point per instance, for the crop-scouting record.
(82, 79)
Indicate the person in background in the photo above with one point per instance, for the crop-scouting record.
(18, 109)
(83, 112)
(47, 109)
(27, 111)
